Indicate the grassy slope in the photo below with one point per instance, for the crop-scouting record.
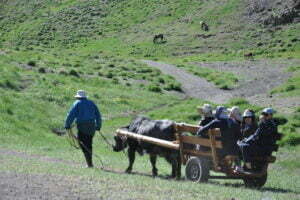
(32, 103)
(127, 27)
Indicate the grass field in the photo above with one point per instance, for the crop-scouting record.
(50, 49)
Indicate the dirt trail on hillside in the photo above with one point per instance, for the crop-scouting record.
(17, 186)
(193, 86)
(257, 79)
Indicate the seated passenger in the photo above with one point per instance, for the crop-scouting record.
(224, 124)
(235, 114)
(207, 115)
(262, 142)
(249, 124)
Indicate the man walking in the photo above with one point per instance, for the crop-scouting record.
(88, 120)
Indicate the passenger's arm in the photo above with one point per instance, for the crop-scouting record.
(202, 131)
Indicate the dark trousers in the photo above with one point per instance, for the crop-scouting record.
(250, 151)
(86, 132)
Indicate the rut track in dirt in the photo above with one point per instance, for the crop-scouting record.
(256, 80)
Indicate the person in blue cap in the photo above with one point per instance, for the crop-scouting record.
(262, 142)
(88, 120)
(228, 137)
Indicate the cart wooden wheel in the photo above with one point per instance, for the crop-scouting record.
(256, 182)
(197, 169)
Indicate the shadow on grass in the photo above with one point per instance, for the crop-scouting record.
(263, 189)
(115, 171)
(233, 185)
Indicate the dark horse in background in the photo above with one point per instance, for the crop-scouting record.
(161, 129)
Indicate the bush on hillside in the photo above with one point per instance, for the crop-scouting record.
(154, 88)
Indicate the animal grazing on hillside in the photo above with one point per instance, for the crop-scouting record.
(204, 26)
(158, 38)
(249, 55)
(161, 129)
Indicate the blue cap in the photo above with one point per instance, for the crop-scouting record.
(269, 111)
(220, 110)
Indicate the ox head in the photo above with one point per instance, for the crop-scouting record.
(120, 143)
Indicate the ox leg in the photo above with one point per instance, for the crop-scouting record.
(178, 170)
(153, 163)
(176, 166)
(131, 157)
(172, 160)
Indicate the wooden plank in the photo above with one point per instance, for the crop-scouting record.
(213, 150)
(196, 153)
(183, 158)
(148, 139)
(183, 127)
(201, 141)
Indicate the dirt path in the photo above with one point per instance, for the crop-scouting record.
(257, 79)
(17, 186)
(193, 86)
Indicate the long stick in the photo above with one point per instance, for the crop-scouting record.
(148, 139)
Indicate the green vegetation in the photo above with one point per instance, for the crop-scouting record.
(49, 49)
(223, 80)
(128, 27)
(292, 86)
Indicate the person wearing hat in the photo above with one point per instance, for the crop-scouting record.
(88, 120)
(222, 122)
(235, 114)
(207, 115)
(249, 124)
(262, 142)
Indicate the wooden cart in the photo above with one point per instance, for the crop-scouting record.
(201, 156)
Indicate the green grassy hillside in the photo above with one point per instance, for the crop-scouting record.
(128, 27)
(49, 49)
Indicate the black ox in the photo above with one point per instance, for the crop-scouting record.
(161, 129)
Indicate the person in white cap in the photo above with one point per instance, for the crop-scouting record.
(88, 120)
(249, 124)
(262, 142)
(207, 115)
(235, 114)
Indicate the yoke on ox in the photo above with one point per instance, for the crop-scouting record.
(179, 148)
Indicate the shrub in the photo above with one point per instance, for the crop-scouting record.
(154, 88)
(280, 120)
(31, 63)
(290, 88)
(109, 75)
(225, 87)
(42, 70)
(161, 80)
(173, 86)
(74, 73)
(292, 139)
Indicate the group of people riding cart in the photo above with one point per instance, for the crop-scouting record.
(224, 139)
(241, 135)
